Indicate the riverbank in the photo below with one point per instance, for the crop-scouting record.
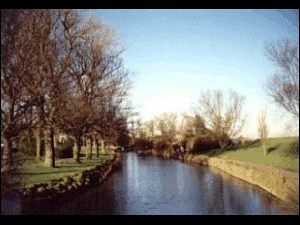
(283, 153)
(156, 186)
(64, 188)
(32, 171)
(281, 183)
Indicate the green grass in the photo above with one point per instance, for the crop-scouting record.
(283, 153)
(34, 172)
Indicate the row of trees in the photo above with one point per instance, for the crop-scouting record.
(219, 117)
(60, 73)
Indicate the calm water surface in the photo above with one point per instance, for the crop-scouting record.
(152, 185)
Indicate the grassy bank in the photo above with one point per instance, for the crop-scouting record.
(34, 172)
(283, 153)
(277, 172)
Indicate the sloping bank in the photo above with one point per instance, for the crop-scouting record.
(68, 187)
(282, 184)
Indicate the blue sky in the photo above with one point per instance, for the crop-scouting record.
(174, 54)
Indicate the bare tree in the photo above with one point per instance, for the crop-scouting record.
(56, 33)
(283, 85)
(192, 125)
(43, 41)
(166, 124)
(140, 129)
(262, 128)
(150, 128)
(16, 76)
(110, 120)
(96, 89)
(76, 120)
(223, 116)
(65, 74)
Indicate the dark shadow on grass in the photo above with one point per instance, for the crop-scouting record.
(273, 148)
(70, 166)
(251, 144)
(248, 145)
(39, 173)
(218, 152)
(293, 149)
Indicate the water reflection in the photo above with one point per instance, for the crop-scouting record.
(151, 185)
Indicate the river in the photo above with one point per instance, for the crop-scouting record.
(153, 185)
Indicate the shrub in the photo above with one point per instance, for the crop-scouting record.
(233, 144)
(176, 147)
(292, 149)
(251, 143)
(143, 144)
(123, 140)
(201, 143)
(64, 150)
(163, 146)
(27, 146)
(184, 143)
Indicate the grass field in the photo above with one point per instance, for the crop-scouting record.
(283, 153)
(34, 172)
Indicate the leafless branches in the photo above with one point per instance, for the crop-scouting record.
(283, 85)
(224, 117)
(167, 126)
(262, 128)
(59, 71)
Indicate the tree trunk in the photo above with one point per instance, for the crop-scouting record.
(52, 148)
(76, 150)
(48, 153)
(7, 155)
(42, 143)
(49, 149)
(54, 141)
(102, 146)
(83, 146)
(37, 135)
(56, 136)
(30, 135)
(89, 149)
(264, 147)
(97, 147)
